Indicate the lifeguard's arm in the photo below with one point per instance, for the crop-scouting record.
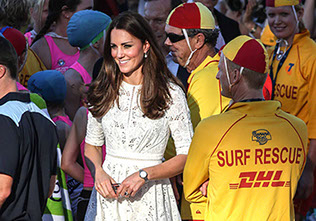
(196, 170)
(74, 93)
(69, 162)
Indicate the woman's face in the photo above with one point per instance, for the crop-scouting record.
(127, 51)
(282, 22)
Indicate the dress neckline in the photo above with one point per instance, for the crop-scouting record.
(128, 85)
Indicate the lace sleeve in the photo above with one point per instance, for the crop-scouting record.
(95, 134)
(179, 120)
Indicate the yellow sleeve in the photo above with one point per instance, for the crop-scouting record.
(310, 68)
(204, 95)
(196, 170)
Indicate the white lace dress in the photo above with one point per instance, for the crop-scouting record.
(134, 142)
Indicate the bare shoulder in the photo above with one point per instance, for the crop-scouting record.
(80, 121)
(42, 50)
(62, 126)
(72, 76)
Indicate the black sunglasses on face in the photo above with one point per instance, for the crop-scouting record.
(174, 37)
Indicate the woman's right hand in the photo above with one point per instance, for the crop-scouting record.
(103, 184)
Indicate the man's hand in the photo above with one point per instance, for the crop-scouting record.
(203, 188)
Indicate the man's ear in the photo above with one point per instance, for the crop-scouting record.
(3, 71)
(235, 76)
(199, 40)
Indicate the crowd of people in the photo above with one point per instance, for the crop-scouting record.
(157, 110)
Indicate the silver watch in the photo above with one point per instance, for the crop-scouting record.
(143, 174)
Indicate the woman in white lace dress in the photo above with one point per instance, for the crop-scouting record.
(135, 103)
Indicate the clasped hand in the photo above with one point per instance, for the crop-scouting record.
(128, 188)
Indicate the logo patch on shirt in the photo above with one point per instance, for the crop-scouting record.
(255, 179)
(61, 62)
(262, 136)
(198, 212)
(289, 68)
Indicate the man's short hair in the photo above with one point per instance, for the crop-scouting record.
(255, 80)
(14, 13)
(8, 57)
(210, 35)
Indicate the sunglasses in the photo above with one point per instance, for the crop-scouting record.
(174, 37)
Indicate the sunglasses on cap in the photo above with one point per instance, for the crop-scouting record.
(174, 37)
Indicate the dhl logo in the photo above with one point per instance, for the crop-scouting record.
(260, 179)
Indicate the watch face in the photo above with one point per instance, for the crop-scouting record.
(143, 174)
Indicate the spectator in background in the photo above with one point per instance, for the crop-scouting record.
(53, 47)
(51, 85)
(19, 43)
(15, 13)
(18, 40)
(293, 74)
(247, 26)
(39, 13)
(27, 147)
(156, 13)
(86, 30)
(309, 17)
(229, 29)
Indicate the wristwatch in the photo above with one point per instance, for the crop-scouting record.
(143, 174)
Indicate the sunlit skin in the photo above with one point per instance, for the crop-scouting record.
(128, 53)
(156, 13)
(283, 23)
(180, 50)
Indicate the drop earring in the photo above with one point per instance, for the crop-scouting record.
(145, 55)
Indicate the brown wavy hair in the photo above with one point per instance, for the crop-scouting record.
(155, 96)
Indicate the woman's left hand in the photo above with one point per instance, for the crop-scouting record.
(131, 185)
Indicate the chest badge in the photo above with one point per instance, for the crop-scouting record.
(61, 62)
(289, 68)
